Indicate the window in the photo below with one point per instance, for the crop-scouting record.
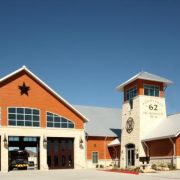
(95, 157)
(151, 90)
(56, 121)
(23, 117)
(131, 93)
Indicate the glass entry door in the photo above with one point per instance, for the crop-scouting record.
(130, 155)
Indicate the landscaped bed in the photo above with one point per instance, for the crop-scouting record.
(122, 171)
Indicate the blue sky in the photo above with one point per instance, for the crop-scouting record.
(84, 49)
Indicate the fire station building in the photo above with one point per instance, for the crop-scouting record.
(58, 135)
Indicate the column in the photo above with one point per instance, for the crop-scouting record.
(4, 154)
(43, 153)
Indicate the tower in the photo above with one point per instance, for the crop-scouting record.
(142, 110)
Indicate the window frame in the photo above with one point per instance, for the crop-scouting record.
(133, 88)
(155, 86)
(24, 120)
(96, 156)
(61, 122)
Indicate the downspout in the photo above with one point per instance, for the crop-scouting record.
(174, 150)
(86, 150)
(116, 154)
(105, 149)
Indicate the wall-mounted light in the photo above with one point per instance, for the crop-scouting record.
(44, 141)
(81, 142)
(5, 140)
(137, 151)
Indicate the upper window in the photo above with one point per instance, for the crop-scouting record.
(151, 90)
(23, 117)
(130, 93)
(56, 121)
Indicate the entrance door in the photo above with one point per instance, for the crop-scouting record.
(60, 153)
(130, 155)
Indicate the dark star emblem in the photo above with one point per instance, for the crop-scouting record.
(24, 89)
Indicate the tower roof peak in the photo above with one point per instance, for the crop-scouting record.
(145, 76)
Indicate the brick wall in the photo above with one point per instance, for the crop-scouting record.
(100, 145)
(160, 148)
(39, 97)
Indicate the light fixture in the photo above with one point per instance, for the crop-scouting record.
(81, 142)
(44, 141)
(5, 140)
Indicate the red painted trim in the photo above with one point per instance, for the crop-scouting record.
(123, 171)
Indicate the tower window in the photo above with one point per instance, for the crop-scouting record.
(151, 90)
(130, 93)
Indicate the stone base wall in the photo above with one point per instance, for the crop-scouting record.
(104, 163)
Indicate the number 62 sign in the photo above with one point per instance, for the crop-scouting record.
(153, 107)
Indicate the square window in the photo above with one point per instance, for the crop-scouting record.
(57, 119)
(28, 117)
(57, 125)
(35, 111)
(28, 111)
(20, 117)
(12, 110)
(12, 123)
(49, 118)
(35, 118)
(20, 110)
(64, 125)
(20, 123)
(36, 124)
(28, 123)
(12, 116)
(49, 124)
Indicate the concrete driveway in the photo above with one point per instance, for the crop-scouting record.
(86, 174)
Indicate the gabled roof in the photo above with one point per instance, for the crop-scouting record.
(24, 68)
(102, 121)
(167, 128)
(145, 76)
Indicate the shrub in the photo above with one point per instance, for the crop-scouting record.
(97, 165)
(171, 167)
(101, 166)
(154, 166)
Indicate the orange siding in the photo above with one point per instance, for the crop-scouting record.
(100, 145)
(160, 148)
(178, 146)
(140, 87)
(39, 97)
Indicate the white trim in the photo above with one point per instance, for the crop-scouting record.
(46, 86)
(161, 157)
(158, 138)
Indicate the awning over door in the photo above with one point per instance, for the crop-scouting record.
(115, 142)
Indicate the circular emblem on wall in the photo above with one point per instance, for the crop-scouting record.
(130, 125)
